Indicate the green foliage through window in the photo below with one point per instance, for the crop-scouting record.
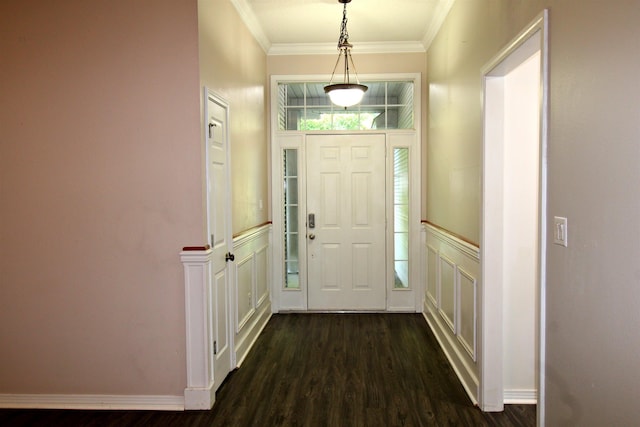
(339, 121)
(305, 107)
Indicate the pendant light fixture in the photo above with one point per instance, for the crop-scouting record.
(345, 94)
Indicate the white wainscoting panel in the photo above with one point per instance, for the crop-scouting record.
(447, 290)
(244, 289)
(252, 283)
(451, 304)
(467, 301)
(262, 271)
(431, 273)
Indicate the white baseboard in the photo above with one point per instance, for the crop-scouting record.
(465, 374)
(199, 398)
(92, 401)
(244, 346)
(520, 397)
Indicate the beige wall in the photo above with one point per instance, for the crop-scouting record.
(466, 41)
(593, 286)
(100, 188)
(233, 65)
(366, 64)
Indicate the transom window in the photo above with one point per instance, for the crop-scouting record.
(304, 106)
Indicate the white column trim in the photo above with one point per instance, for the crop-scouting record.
(199, 393)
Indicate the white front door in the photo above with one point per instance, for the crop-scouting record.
(219, 220)
(346, 199)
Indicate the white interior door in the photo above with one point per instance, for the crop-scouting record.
(219, 221)
(346, 222)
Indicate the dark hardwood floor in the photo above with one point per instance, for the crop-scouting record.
(323, 370)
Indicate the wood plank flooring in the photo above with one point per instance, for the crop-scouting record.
(323, 370)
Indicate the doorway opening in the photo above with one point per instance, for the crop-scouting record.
(514, 223)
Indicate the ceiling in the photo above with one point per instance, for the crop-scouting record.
(312, 26)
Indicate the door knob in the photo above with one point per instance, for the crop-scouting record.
(229, 257)
(312, 236)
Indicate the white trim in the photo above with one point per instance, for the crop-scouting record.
(246, 247)
(442, 10)
(433, 299)
(470, 347)
(449, 249)
(246, 262)
(93, 401)
(470, 250)
(199, 393)
(385, 77)
(245, 346)
(534, 36)
(543, 22)
(464, 372)
(405, 299)
(520, 397)
(253, 234)
(278, 49)
(216, 269)
(260, 299)
(199, 315)
(253, 24)
(296, 299)
(451, 323)
(287, 299)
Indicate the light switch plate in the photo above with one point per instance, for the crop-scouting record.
(560, 231)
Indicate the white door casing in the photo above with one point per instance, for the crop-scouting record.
(296, 299)
(219, 227)
(346, 194)
(492, 246)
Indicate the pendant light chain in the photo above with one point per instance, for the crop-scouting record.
(345, 94)
(343, 48)
(344, 34)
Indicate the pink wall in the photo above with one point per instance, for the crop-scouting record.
(100, 187)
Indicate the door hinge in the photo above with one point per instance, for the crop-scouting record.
(215, 347)
(212, 240)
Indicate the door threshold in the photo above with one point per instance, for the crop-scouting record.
(342, 312)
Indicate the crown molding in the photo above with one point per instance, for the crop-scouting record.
(443, 8)
(331, 48)
(251, 21)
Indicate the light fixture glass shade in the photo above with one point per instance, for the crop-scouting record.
(345, 94)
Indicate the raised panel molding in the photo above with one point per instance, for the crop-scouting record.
(467, 312)
(446, 285)
(252, 283)
(432, 274)
(245, 275)
(262, 275)
(451, 302)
